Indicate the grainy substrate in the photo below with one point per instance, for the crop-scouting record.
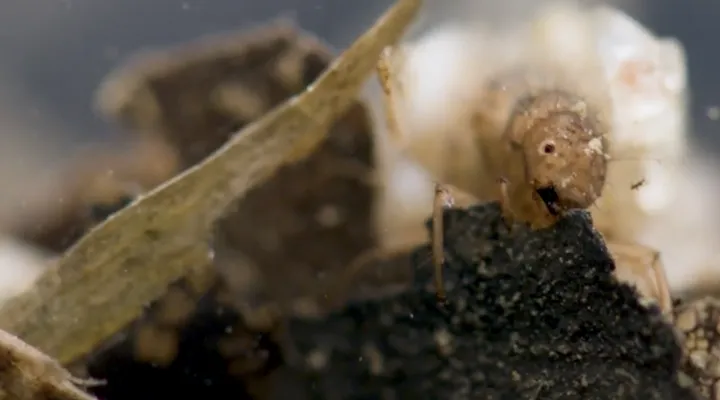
(533, 315)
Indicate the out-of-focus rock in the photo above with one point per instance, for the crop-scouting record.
(209, 352)
(312, 218)
(198, 94)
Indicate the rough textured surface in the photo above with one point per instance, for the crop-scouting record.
(699, 324)
(533, 315)
(539, 316)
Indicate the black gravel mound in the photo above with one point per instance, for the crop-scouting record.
(199, 370)
(532, 315)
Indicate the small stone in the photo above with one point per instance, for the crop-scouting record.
(374, 357)
(329, 216)
(686, 321)
(443, 338)
(317, 359)
(699, 359)
(703, 344)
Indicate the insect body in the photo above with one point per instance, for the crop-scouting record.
(541, 145)
(538, 140)
(637, 185)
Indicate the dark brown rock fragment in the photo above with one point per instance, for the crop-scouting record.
(311, 219)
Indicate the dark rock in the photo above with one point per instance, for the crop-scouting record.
(535, 315)
(215, 356)
(313, 217)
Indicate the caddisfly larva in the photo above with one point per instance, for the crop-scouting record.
(538, 136)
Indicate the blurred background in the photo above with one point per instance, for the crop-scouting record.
(55, 53)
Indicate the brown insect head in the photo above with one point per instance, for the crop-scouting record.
(564, 148)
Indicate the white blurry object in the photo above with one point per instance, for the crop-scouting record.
(673, 209)
(647, 83)
(646, 78)
(686, 232)
(432, 102)
(20, 265)
(649, 87)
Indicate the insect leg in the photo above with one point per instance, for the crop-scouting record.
(87, 382)
(388, 84)
(504, 198)
(640, 266)
(663, 286)
(442, 200)
(661, 282)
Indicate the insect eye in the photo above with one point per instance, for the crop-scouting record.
(547, 147)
